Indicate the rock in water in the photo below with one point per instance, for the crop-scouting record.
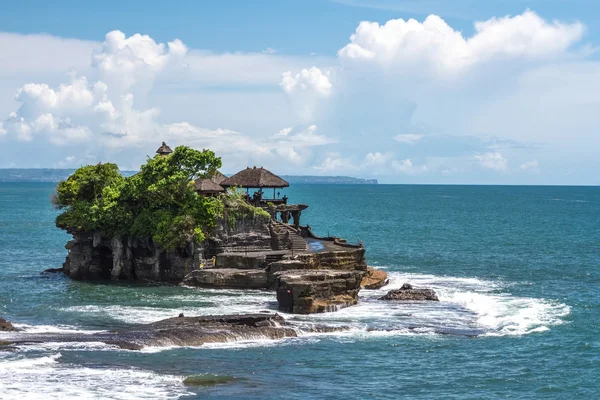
(408, 293)
(317, 291)
(208, 380)
(374, 279)
(6, 326)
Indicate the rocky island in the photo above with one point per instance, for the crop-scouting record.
(179, 220)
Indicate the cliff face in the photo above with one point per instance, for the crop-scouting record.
(94, 257)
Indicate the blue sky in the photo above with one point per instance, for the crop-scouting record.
(282, 84)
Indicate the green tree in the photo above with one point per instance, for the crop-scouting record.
(158, 202)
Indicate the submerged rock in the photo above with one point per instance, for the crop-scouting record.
(408, 293)
(53, 270)
(208, 380)
(317, 291)
(374, 279)
(6, 326)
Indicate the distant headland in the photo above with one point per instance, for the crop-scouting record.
(58, 174)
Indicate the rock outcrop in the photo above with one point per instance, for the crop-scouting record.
(181, 331)
(230, 278)
(94, 257)
(408, 293)
(374, 279)
(317, 291)
(6, 326)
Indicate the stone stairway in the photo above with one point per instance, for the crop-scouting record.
(298, 242)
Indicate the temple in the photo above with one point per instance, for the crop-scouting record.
(259, 247)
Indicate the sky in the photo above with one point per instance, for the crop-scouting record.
(404, 91)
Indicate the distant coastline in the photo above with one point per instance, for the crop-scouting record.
(56, 174)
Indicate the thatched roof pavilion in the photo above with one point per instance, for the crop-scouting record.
(164, 150)
(255, 178)
(210, 185)
(207, 186)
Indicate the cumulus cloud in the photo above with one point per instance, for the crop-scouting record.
(407, 167)
(435, 43)
(125, 61)
(105, 113)
(493, 161)
(306, 90)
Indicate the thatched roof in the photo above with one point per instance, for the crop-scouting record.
(207, 186)
(210, 185)
(164, 149)
(218, 177)
(255, 178)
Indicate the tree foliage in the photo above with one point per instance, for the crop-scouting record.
(158, 202)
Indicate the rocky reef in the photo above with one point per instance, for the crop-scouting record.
(6, 326)
(408, 293)
(180, 331)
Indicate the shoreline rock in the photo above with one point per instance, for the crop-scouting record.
(180, 331)
(6, 326)
(408, 293)
(317, 291)
(374, 279)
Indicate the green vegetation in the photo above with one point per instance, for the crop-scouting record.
(158, 202)
(236, 207)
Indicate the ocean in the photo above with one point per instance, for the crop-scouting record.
(517, 270)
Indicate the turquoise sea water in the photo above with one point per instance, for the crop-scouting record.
(517, 270)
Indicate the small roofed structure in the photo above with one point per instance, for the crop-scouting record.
(207, 187)
(164, 150)
(218, 177)
(258, 178)
(210, 186)
(255, 178)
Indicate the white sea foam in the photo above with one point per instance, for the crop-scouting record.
(47, 378)
(468, 306)
(209, 302)
(53, 329)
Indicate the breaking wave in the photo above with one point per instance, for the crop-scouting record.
(46, 377)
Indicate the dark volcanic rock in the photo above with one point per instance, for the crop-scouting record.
(53, 270)
(178, 331)
(317, 291)
(408, 293)
(208, 380)
(228, 278)
(6, 326)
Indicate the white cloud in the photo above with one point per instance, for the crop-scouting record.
(269, 50)
(533, 165)
(306, 90)
(409, 138)
(437, 45)
(284, 132)
(407, 167)
(334, 162)
(493, 161)
(105, 115)
(125, 61)
(307, 80)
